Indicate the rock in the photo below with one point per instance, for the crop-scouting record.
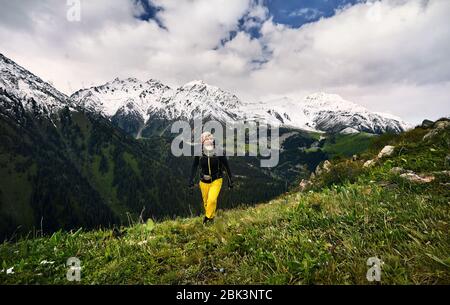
(387, 151)
(400, 170)
(413, 177)
(445, 173)
(323, 168)
(369, 163)
(304, 184)
(427, 123)
(442, 123)
(313, 176)
(326, 166)
(442, 173)
(397, 170)
(355, 158)
(437, 128)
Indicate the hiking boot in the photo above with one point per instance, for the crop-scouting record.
(207, 220)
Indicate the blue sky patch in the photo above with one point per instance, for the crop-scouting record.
(150, 11)
(293, 13)
(296, 13)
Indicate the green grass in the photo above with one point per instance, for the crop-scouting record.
(323, 238)
(315, 237)
(347, 145)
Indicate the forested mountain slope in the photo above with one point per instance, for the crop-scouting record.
(392, 205)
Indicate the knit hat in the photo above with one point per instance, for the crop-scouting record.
(208, 144)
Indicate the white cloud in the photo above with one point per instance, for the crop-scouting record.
(391, 56)
(307, 12)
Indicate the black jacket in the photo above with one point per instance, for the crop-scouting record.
(210, 166)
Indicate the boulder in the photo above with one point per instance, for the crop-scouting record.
(438, 127)
(387, 151)
(427, 123)
(326, 166)
(369, 163)
(398, 170)
(442, 120)
(442, 124)
(413, 177)
(323, 168)
(304, 184)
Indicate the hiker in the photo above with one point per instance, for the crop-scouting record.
(211, 175)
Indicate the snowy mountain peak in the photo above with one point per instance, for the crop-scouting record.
(326, 112)
(331, 102)
(322, 96)
(27, 86)
(122, 94)
(133, 104)
(316, 112)
(196, 83)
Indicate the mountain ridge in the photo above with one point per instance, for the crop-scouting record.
(320, 112)
(31, 89)
(137, 106)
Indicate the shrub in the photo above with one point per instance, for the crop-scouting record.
(340, 173)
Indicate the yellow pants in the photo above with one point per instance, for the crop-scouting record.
(210, 192)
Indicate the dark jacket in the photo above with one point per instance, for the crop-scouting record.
(210, 166)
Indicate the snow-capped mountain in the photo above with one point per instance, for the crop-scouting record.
(131, 103)
(153, 99)
(329, 112)
(137, 106)
(124, 96)
(198, 98)
(34, 93)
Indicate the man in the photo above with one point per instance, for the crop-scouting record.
(211, 175)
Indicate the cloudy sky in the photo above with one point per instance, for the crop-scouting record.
(391, 56)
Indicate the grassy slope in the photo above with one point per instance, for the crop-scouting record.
(347, 144)
(323, 236)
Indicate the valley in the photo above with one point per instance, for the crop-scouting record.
(71, 162)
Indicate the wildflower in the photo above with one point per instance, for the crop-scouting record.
(142, 243)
